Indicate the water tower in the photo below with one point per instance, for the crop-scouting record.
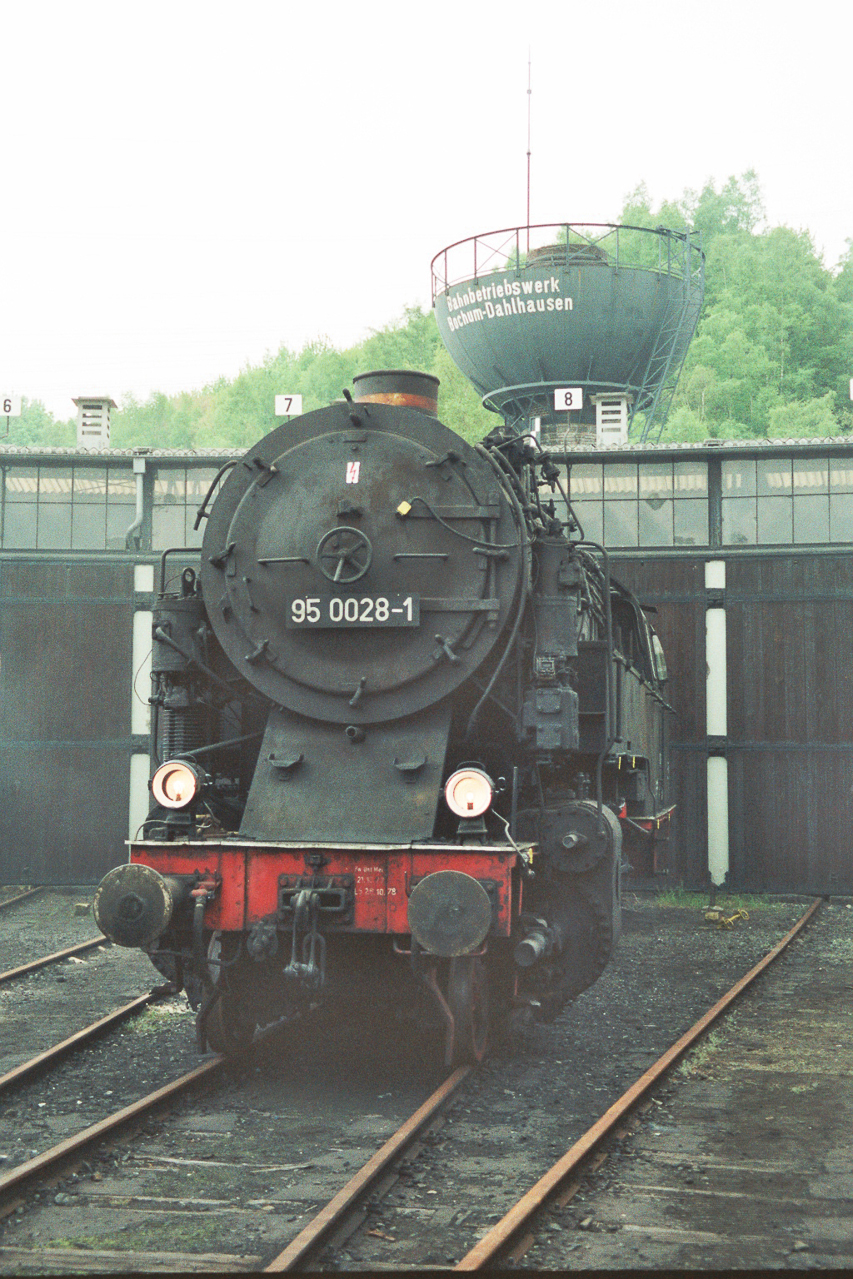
(604, 310)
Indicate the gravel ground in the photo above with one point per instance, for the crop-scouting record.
(529, 1103)
(48, 1005)
(269, 1144)
(743, 1160)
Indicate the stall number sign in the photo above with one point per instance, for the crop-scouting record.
(568, 397)
(11, 406)
(288, 405)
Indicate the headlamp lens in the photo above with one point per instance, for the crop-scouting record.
(469, 792)
(175, 784)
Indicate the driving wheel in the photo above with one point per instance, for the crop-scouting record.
(468, 997)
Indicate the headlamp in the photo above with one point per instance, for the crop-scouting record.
(175, 784)
(469, 792)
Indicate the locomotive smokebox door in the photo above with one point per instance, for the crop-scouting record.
(449, 913)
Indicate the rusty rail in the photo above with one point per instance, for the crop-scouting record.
(35, 964)
(13, 901)
(25, 1172)
(76, 1040)
(492, 1245)
(317, 1229)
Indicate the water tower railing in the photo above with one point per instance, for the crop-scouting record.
(668, 252)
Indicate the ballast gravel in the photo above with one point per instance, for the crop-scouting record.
(262, 1148)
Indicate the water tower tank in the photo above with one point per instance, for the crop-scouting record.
(607, 310)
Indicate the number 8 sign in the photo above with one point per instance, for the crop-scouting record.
(568, 397)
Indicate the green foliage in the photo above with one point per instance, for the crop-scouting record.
(773, 349)
(459, 405)
(772, 355)
(36, 426)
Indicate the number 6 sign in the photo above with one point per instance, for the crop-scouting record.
(568, 397)
(10, 405)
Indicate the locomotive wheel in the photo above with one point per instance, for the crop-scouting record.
(226, 1032)
(468, 997)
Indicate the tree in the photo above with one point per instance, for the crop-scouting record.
(775, 329)
(37, 426)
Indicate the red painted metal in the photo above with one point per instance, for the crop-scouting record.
(383, 877)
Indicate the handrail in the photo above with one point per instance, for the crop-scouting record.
(683, 263)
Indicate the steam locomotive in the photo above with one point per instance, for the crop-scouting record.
(401, 715)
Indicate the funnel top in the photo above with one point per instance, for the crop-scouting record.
(406, 388)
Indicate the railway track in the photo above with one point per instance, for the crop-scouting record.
(33, 965)
(20, 897)
(76, 1041)
(357, 1217)
(513, 1235)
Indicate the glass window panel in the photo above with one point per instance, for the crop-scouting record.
(841, 517)
(775, 519)
(591, 516)
(773, 477)
(54, 530)
(690, 479)
(88, 527)
(655, 480)
(586, 480)
(811, 518)
(168, 527)
(54, 484)
(90, 484)
(195, 536)
(22, 483)
(738, 477)
(119, 519)
(811, 476)
(620, 479)
(620, 523)
(19, 527)
(121, 484)
(690, 521)
(655, 522)
(199, 481)
(841, 475)
(170, 486)
(739, 521)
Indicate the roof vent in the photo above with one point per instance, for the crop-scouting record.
(93, 421)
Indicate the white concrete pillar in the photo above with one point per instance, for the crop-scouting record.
(140, 709)
(716, 725)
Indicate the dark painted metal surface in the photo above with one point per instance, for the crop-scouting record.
(790, 747)
(790, 713)
(675, 588)
(612, 310)
(349, 509)
(385, 779)
(65, 702)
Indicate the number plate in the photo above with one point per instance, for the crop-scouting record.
(331, 612)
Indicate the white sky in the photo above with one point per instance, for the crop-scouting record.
(188, 185)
